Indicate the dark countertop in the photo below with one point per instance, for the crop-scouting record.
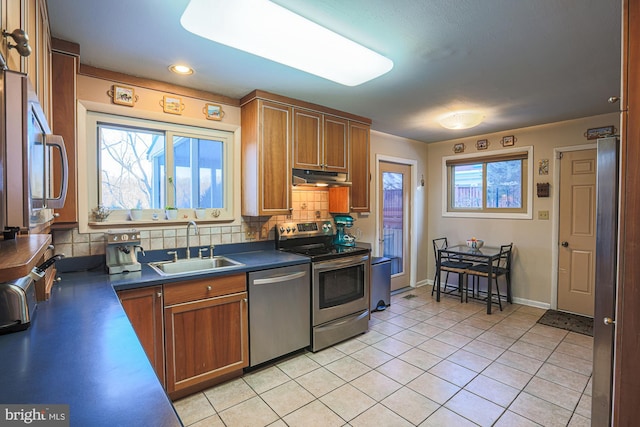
(82, 351)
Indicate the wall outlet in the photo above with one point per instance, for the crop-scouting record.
(250, 232)
(543, 214)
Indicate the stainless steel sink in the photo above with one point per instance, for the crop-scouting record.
(194, 265)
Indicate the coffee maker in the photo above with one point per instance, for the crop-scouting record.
(343, 238)
(122, 250)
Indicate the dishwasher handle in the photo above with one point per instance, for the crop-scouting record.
(278, 279)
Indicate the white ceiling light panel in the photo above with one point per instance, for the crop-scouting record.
(266, 29)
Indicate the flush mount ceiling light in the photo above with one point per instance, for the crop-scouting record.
(181, 69)
(461, 120)
(263, 28)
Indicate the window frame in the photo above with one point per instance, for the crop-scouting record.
(121, 216)
(485, 157)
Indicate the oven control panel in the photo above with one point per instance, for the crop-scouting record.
(292, 230)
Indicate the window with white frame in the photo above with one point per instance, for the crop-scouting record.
(152, 165)
(489, 185)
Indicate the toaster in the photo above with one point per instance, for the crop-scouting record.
(17, 304)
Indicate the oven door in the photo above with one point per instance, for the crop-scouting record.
(340, 288)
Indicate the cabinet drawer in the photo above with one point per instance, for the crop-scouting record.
(193, 290)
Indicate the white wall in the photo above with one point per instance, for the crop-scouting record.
(401, 148)
(533, 263)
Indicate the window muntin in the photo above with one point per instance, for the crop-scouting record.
(484, 185)
(151, 165)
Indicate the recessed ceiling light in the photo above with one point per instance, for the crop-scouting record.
(461, 120)
(181, 69)
(266, 29)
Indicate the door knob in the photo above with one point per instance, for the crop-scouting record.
(565, 244)
(609, 321)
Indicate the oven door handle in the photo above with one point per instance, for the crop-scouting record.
(278, 279)
(326, 265)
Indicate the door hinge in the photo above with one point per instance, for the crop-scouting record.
(560, 154)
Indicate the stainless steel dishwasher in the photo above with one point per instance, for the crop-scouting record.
(279, 312)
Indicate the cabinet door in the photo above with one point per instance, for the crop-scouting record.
(274, 164)
(339, 200)
(205, 340)
(13, 16)
(307, 139)
(144, 310)
(359, 173)
(336, 144)
(63, 68)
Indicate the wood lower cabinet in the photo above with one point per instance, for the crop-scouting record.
(359, 175)
(144, 310)
(206, 332)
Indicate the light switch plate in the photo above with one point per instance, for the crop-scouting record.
(543, 214)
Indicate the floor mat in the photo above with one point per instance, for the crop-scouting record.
(570, 322)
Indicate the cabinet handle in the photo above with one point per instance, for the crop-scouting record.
(245, 300)
(209, 287)
(159, 294)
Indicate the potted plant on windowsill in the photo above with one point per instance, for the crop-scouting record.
(171, 212)
(135, 214)
(201, 213)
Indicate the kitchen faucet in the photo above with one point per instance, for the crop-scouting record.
(196, 232)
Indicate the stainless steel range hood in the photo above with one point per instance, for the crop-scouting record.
(311, 178)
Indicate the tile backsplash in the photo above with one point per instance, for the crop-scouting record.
(308, 205)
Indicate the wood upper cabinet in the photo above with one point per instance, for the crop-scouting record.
(336, 144)
(266, 154)
(144, 310)
(38, 64)
(307, 139)
(64, 63)
(359, 175)
(320, 142)
(206, 338)
(32, 17)
(280, 133)
(339, 201)
(12, 19)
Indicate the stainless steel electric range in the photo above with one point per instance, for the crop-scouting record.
(339, 280)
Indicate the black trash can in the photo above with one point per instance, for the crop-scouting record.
(380, 283)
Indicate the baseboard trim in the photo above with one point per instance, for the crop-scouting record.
(522, 301)
(531, 303)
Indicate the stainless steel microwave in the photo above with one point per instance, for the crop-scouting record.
(33, 162)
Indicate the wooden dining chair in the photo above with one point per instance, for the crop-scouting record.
(501, 267)
(450, 265)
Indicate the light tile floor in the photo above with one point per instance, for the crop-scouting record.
(422, 363)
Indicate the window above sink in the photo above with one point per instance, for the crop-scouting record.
(149, 165)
